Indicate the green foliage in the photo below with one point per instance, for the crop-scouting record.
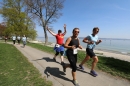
(17, 21)
(15, 70)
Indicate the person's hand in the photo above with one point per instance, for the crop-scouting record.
(64, 25)
(80, 47)
(100, 41)
(73, 46)
(90, 42)
(47, 28)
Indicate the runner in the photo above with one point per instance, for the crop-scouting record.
(24, 39)
(14, 39)
(72, 43)
(18, 39)
(59, 47)
(92, 41)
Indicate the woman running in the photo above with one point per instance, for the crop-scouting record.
(72, 43)
(59, 47)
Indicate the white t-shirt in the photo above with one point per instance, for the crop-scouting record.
(14, 37)
(18, 37)
(24, 38)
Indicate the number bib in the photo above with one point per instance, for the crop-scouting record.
(57, 45)
(75, 51)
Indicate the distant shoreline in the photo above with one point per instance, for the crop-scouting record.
(115, 49)
(99, 52)
(104, 50)
(102, 38)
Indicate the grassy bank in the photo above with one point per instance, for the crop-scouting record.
(15, 70)
(110, 65)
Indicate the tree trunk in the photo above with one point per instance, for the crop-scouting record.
(45, 34)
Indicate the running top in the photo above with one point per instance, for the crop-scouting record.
(74, 42)
(93, 39)
(60, 39)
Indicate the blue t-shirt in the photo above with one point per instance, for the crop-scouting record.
(93, 39)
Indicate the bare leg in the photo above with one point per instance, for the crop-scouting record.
(54, 56)
(95, 60)
(74, 75)
(85, 59)
(62, 58)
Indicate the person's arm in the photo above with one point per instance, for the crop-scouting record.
(99, 41)
(67, 43)
(85, 40)
(64, 29)
(50, 31)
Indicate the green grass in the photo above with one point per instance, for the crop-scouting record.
(15, 70)
(109, 65)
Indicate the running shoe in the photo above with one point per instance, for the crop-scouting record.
(54, 59)
(62, 63)
(64, 68)
(76, 83)
(81, 67)
(93, 73)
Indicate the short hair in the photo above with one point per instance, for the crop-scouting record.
(95, 28)
(59, 31)
(75, 29)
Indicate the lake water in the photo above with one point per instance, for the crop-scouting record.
(112, 45)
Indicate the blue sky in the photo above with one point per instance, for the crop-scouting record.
(111, 16)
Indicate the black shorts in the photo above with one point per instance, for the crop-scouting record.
(90, 52)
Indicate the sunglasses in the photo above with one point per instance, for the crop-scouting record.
(97, 31)
(76, 31)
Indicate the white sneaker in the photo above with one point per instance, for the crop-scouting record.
(76, 83)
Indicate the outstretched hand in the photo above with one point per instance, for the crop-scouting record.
(64, 25)
(47, 28)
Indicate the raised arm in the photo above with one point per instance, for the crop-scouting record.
(64, 29)
(50, 31)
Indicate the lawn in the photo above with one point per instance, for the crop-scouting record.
(15, 70)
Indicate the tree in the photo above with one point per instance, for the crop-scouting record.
(46, 11)
(17, 21)
(2, 29)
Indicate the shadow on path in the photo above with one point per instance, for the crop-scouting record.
(47, 59)
(56, 73)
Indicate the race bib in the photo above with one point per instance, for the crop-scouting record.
(75, 51)
(57, 45)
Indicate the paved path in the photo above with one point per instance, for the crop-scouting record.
(53, 71)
